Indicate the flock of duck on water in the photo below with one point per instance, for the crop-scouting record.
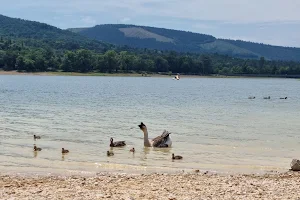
(162, 141)
(268, 97)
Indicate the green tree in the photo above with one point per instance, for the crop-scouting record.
(110, 60)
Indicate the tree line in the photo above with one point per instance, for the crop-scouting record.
(17, 55)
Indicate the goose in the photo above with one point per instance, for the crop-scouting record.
(64, 150)
(36, 149)
(161, 141)
(283, 98)
(110, 153)
(116, 144)
(176, 157)
(36, 137)
(132, 150)
(267, 97)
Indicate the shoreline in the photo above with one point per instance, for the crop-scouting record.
(137, 75)
(152, 186)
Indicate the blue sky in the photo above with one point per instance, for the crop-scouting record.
(274, 22)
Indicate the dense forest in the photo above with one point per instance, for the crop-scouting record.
(37, 34)
(183, 41)
(36, 47)
(16, 54)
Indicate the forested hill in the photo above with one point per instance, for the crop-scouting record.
(181, 41)
(43, 35)
(34, 47)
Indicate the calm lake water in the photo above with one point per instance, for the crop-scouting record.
(214, 125)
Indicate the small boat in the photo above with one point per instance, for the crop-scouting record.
(177, 77)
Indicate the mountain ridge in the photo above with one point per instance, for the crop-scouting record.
(185, 41)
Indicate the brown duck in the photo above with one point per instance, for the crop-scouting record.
(64, 150)
(116, 144)
(176, 157)
(36, 148)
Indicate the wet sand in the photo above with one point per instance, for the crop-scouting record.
(153, 186)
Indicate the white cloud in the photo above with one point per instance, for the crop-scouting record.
(225, 10)
(125, 19)
(88, 20)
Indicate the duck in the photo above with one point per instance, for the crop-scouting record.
(36, 137)
(162, 141)
(176, 157)
(36, 148)
(116, 144)
(251, 97)
(267, 97)
(109, 153)
(283, 97)
(64, 150)
(132, 150)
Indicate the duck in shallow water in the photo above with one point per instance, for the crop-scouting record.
(36, 148)
(267, 97)
(283, 97)
(116, 144)
(161, 141)
(35, 137)
(176, 157)
(251, 97)
(64, 150)
(109, 153)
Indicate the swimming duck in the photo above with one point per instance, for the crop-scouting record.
(251, 97)
(116, 144)
(36, 137)
(64, 150)
(267, 97)
(176, 157)
(110, 153)
(283, 98)
(161, 141)
(36, 149)
(132, 150)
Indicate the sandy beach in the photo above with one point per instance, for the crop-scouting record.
(153, 186)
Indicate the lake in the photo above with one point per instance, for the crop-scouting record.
(213, 124)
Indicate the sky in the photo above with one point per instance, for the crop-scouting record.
(274, 22)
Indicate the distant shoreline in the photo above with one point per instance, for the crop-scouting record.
(143, 75)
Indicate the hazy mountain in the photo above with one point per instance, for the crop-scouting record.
(182, 41)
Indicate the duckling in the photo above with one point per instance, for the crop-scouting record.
(176, 157)
(36, 149)
(36, 137)
(64, 150)
(110, 153)
(283, 98)
(132, 150)
(116, 144)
